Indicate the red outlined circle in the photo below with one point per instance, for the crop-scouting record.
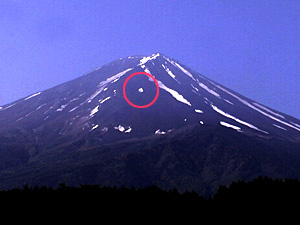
(140, 106)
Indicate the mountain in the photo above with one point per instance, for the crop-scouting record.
(197, 135)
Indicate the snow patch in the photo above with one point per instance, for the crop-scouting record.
(160, 132)
(115, 80)
(105, 129)
(149, 58)
(61, 108)
(120, 128)
(94, 127)
(128, 130)
(147, 71)
(198, 111)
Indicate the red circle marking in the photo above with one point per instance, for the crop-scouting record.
(140, 106)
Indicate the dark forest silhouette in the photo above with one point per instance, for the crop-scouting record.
(263, 199)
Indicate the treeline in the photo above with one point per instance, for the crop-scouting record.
(262, 198)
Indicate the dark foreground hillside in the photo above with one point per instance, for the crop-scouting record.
(262, 200)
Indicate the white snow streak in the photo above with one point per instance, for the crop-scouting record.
(209, 90)
(104, 100)
(32, 96)
(230, 126)
(73, 109)
(194, 87)
(103, 84)
(229, 102)
(175, 94)
(2, 109)
(185, 71)
(268, 110)
(40, 107)
(170, 73)
(236, 119)
(180, 67)
(297, 125)
(94, 111)
(257, 109)
(279, 127)
(196, 93)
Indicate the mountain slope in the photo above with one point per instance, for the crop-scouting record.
(90, 114)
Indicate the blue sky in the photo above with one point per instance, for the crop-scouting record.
(252, 47)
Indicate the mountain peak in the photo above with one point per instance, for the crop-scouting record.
(193, 117)
(95, 103)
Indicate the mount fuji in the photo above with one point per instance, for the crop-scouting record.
(197, 135)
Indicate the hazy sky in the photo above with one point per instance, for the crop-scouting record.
(252, 47)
